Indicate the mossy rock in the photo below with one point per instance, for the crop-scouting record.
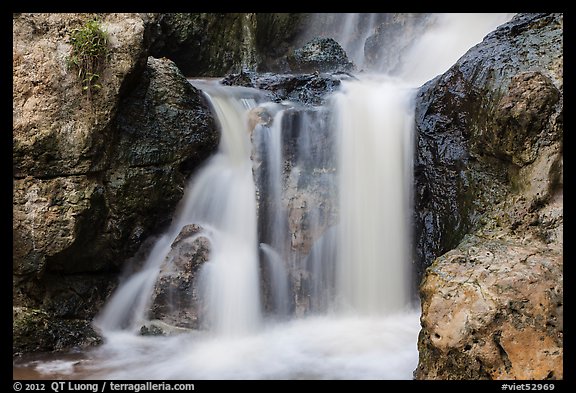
(34, 330)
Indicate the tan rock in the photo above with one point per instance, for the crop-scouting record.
(492, 309)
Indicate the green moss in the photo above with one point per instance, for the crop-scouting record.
(89, 54)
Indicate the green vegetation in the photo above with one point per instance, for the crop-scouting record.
(89, 53)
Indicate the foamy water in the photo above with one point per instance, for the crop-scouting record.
(320, 347)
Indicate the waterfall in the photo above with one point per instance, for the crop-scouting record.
(374, 127)
(307, 213)
(222, 199)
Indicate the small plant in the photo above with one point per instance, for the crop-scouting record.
(89, 53)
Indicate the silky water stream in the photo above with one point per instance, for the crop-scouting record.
(306, 217)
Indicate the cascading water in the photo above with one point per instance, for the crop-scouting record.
(373, 263)
(222, 199)
(345, 172)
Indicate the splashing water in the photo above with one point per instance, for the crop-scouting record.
(222, 199)
(353, 285)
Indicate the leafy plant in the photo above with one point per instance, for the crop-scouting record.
(89, 54)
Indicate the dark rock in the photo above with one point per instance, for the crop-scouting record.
(307, 89)
(151, 330)
(320, 55)
(214, 44)
(243, 78)
(34, 330)
(165, 130)
(461, 168)
(175, 297)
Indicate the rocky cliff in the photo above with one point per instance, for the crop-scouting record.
(214, 44)
(92, 176)
(489, 188)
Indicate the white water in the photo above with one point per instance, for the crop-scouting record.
(221, 198)
(375, 138)
(231, 276)
(447, 40)
(317, 347)
(375, 130)
(353, 34)
(362, 324)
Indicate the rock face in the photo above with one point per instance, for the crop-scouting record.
(210, 44)
(489, 164)
(320, 55)
(88, 173)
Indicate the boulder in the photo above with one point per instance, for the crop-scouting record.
(493, 309)
(471, 149)
(320, 55)
(489, 208)
(304, 89)
(175, 297)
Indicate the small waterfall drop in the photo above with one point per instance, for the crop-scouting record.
(374, 127)
(307, 215)
(222, 199)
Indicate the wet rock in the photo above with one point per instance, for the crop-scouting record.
(307, 89)
(214, 44)
(35, 330)
(165, 130)
(461, 167)
(320, 55)
(175, 297)
(489, 207)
